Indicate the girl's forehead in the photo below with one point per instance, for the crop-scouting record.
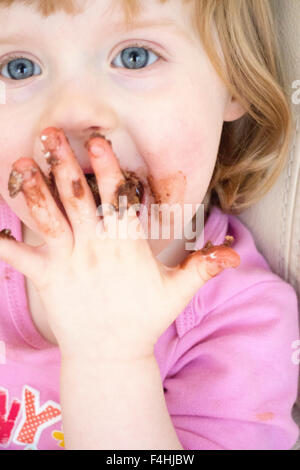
(122, 15)
(48, 7)
(131, 8)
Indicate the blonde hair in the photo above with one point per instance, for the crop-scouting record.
(253, 149)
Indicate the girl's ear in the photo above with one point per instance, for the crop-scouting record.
(234, 110)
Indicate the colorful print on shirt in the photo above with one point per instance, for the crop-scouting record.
(34, 419)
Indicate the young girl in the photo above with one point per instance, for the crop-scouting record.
(137, 343)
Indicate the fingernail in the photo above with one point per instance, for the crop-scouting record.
(28, 173)
(97, 151)
(51, 141)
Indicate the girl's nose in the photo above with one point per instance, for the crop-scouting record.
(80, 109)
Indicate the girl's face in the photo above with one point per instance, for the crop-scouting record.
(164, 117)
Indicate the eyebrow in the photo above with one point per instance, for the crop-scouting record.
(12, 38)
(144, 24)
(118, 27)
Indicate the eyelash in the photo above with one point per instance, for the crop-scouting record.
(8, 59)
(142, 46)
(147, 48)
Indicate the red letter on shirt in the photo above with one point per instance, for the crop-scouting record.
(7, 423)
(35, 419)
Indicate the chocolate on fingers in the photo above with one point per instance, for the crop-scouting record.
(69, 180)
(129, 185)
(26, 177)
(114, 183)
(78, 200)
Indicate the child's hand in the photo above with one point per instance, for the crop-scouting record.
(104, 297)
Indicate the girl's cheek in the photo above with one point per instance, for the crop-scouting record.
(142, 82)
(16, 140)
(175, 156)
(22, 93)
(168, 190)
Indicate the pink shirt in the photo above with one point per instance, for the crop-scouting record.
(225, 363)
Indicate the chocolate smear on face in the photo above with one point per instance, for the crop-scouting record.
(92, 182)
(6, 233)
(132, 188)
(77, 187)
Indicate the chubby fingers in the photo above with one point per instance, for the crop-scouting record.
(212, 260)
(112, 183)
(198, 268)
(71, 183)
(26, 259)
(27, 177)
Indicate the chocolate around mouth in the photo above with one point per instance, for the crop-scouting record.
(132, 188)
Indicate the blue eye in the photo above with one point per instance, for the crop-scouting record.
(19, 68)
(136, 57)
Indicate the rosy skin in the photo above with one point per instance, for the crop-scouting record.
(143, 112)
(86, 94)
(164, 121)
(69, 267)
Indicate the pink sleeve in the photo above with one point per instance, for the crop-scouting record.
(233, 382)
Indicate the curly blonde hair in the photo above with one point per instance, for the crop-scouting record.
(254, 148)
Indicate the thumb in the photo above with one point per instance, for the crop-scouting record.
(22, 257)
(201, 266)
